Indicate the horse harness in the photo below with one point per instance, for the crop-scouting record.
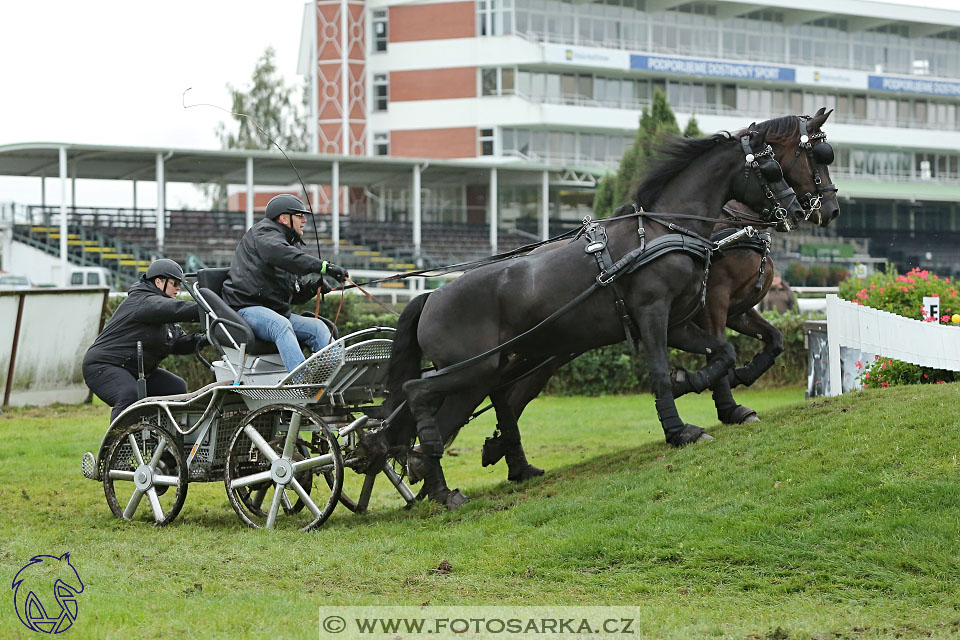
(819, 154)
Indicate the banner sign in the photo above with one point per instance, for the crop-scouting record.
(715, 68)
(914, 85)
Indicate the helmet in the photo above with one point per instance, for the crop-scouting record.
(285, 203)
(164, 268)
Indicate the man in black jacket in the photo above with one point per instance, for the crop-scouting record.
(265, 280)
(148, 315)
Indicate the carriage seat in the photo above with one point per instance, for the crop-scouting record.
(210, 283)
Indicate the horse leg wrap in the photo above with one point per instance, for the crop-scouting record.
(669, 418)
(749, 373)
(700, 380)
(431, 443)
(728, 411)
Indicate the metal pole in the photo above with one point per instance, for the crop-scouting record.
(43, 192)
(134, 196)
(335, 209)
(493, 210)
(64, 276)
(417, 213)
(161, 204)
(314, 85)
(250, 194)
(545, 206)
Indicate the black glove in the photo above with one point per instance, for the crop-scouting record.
(324, 287)
(337, 273)
(202, 340)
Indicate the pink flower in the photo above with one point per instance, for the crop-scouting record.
(866, 376)
(945, 318)
(862, 294)
(924, 376)
(872, 287)
(876, 357)
(859, 365)
(884, 384)
(941, 382)
(883, 365)
(929, 318)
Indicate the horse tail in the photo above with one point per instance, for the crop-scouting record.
(406, 353)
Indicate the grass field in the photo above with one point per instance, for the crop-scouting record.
(837, 518)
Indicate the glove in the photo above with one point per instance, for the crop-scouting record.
(337, 273)
(324, 287)
(202, 340)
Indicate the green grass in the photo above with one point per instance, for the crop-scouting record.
(834, 518)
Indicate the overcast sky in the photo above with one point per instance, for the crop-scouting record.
(114, 71)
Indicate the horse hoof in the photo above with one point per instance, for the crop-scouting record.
(526, 473)
(418, 466)
(688, 434)
(739, 415)
(455, 500)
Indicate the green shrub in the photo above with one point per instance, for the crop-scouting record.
(612, 370)
(902, 295)
(795, 274)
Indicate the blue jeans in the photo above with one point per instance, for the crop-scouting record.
(271, 326)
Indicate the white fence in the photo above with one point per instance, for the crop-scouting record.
(44, 334)
(876, 332)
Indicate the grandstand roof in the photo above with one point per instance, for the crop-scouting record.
(102, 162)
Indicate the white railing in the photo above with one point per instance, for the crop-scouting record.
(875, 332)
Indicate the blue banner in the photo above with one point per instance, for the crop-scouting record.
(715, 68)
(914, 85)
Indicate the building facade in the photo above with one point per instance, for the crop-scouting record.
(562, 83)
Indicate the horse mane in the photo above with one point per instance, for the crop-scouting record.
(777, 130)
(673, 156)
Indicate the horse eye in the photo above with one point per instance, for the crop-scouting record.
(823, 154)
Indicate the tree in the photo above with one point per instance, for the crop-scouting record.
(656, 124)
(274, 106)
(693, 129)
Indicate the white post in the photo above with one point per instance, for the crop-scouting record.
(250, 194)
(161, 203)
(417, 213)
(64, 271)
(73, 185)
(545, 206)
(335, 209)
(43, 192)
(344, 77)
(493, 210)
(134, 196)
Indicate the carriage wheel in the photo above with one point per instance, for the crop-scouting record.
(269, 470)
(253, 495)
(145, 461)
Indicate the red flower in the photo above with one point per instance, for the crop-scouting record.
(859, 365)
(884, 384)
(941, 382)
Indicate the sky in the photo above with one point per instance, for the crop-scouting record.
(114, 72)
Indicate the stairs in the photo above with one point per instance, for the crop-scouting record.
(88, 247)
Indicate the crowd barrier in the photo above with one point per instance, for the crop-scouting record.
(43, 336)
(856, 333)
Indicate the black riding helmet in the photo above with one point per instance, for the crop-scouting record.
(164, 268)
(285, 203)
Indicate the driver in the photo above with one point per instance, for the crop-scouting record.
(149, 315)
(264, 280)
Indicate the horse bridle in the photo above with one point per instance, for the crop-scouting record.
(819, 153)
(767, 170)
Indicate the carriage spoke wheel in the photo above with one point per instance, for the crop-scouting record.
(269, 471)
(145, 471)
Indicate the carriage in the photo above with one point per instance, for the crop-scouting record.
(279, 441)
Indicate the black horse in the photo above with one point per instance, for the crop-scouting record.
(739, 279)
(460, 326)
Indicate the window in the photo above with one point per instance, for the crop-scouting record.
(381, 143)
(76, 278)
(488, 82)
(498, 81)
(486, 142)
(93, 278)
(381, 90)
(380, 30)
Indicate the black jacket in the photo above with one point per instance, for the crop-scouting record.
(149, 316)
(265, 270)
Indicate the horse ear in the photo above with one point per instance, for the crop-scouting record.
(817, 121)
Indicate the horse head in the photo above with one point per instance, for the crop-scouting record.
(801, 147)
(761, 184)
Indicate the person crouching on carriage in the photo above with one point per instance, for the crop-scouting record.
(148, 315)
(264, 280)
